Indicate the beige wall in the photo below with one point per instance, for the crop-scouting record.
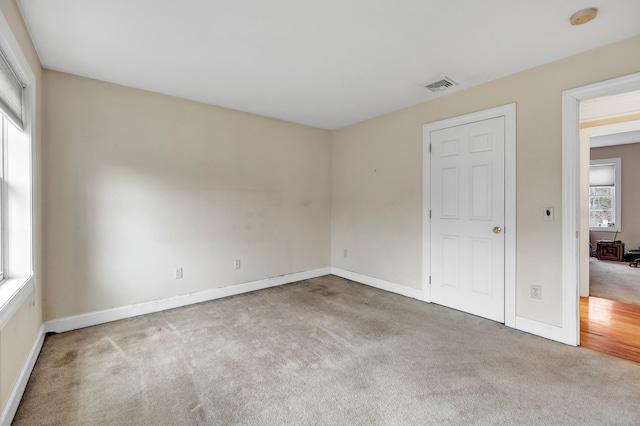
(21, 332)
(16, 340)
(630, 157)
(377, 168)
(137, 183)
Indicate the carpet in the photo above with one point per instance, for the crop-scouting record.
(325, 351)
(614, 280)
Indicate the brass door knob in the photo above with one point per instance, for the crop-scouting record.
(497, 230)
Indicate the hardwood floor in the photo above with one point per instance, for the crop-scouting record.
(610, 327)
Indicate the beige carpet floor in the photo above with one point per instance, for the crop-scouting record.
(325, 351)
(614, 280)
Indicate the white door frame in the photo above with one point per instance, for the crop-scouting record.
(509, 114)
(571, 194)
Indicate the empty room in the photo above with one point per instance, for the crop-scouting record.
(221, 213)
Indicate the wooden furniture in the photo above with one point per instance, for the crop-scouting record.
(610, 250)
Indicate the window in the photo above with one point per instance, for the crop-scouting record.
(17, 198)
(605, 195)
(14, 178)
(2, 195)
(11, 124)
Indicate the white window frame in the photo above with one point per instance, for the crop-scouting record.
(617, 194)
(3, 195)
(19, 246)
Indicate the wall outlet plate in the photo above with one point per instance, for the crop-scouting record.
(536, 292)
(548, 213)
(178, 272)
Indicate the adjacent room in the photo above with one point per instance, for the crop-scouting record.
(610, 278)
(219, 212)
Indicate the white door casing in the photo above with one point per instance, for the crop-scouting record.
(570, 330)
(467, 218)
(469, 271)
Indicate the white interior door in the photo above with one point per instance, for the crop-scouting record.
(467, 217)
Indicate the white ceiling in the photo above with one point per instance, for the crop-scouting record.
(619, 138)
(326, 63)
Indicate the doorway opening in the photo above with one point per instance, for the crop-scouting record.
(609, 288)
(575, 237)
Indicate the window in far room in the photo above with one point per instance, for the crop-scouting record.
(604, 195)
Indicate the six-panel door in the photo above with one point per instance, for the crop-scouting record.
(467, 218)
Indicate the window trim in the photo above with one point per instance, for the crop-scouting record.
(3, 197)
(617, 164)
(15, 287)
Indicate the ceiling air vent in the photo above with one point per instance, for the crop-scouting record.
(440, 85)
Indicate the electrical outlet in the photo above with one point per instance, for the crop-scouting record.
(345, 253)
(178, 272)
(536, 292)
(236, 264)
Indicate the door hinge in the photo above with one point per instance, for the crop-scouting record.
(429, 147)
(429, 214)
(429, 279)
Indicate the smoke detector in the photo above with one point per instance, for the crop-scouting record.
(443, 84)
(583, 16)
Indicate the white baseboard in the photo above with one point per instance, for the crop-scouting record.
(10, 408)
(523, 324)
(100, 317)
(541, 329)
(378, 283)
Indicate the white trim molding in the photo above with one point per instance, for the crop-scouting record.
(509, 114)
(571, 194)
(100, 317)
(13, 293)
(380, 284)
(541, 329)
(11, 407)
